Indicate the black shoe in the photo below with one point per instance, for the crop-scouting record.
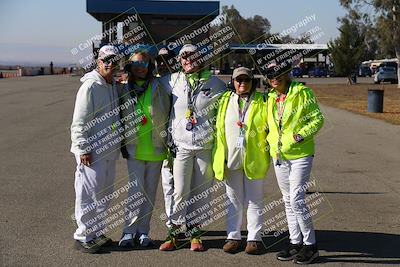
(103, 241)
(90, 247)
(307, 254)
(289, 253)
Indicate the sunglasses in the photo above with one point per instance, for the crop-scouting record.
(109, 60)
(245, 80)
(274, 76)
(187, 56)
(140, 64)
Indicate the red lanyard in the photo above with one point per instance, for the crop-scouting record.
(280, 102)
(242, 113)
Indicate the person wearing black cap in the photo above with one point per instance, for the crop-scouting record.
(293, 119)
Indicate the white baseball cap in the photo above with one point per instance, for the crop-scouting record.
(163, 52)
(107, 51)
(187, 48)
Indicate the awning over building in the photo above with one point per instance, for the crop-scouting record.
(104, 10)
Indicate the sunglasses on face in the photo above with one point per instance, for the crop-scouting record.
(187, 56)
(274, 76)
(140, 64)
(109, 60)
(245, 80)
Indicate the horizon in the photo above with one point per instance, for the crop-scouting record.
(44, 40)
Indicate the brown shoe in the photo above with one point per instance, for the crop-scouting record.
(254, 248)
(231, 246)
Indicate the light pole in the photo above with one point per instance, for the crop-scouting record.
(396, 36)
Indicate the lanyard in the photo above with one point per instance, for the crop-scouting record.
(280, 108)
(191, 96)
(280, 102)
(242, 113)
(136, 92)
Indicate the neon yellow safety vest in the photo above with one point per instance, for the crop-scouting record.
(256, 156)
(301, 115)
(145, 148)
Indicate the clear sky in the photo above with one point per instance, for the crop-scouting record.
(45, 30)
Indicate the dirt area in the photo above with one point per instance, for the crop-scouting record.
(354, 98)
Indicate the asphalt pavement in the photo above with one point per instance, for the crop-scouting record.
(355, 191)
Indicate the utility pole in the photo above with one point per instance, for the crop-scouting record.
(396, 39)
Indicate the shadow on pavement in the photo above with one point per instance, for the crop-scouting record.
(335, 246)
(115, 248)
(345, 193)
(367, 247)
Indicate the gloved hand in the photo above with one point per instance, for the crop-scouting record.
(124, 152)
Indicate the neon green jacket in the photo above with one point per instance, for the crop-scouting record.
(256, 159)
(301, 116)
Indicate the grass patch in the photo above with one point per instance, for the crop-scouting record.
(354, 98)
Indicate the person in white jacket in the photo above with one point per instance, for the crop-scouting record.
(95, 144)
(195, 95)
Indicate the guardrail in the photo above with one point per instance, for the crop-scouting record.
(10, 74)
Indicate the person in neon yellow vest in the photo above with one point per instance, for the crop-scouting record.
(144, 145)
(241, 158)
(293, 119)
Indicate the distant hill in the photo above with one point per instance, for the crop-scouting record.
(35, 55)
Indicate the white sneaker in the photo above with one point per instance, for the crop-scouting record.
(126, 241)
(145, 240)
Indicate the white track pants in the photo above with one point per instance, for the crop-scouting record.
(193, 175)
(92, 184)
(167, 181)
(147, 174)
(244, 193)
(292, 176)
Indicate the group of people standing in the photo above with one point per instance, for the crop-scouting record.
(193, 128)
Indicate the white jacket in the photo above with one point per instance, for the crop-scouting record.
(206, 105)
(94, 128)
